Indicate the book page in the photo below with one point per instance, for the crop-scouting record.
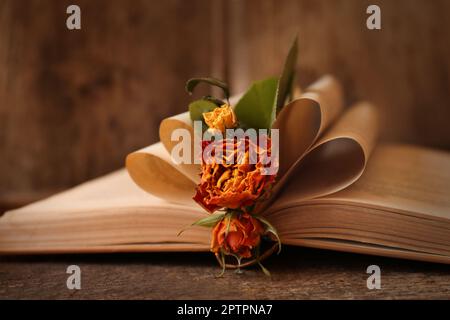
(408, 178)
(152, 170)
(111, 214)
(302, 121)
(339, 157)
(315, 109)
(108, 214)
(411, 180)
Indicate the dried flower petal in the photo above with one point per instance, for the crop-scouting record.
(237, 234)
(221, 118)
(237, 185)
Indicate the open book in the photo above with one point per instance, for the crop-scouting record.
(337, 189)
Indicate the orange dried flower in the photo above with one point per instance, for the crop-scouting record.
(237, 235)
(221, 118)
(237, 185)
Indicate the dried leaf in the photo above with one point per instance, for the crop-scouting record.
(270, 228)
(209, 221)
(192, 83)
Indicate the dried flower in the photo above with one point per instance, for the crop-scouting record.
(237, 235)
(235, 185)
(221, 118)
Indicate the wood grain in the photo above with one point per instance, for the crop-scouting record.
(403, 68)
(75, 103)
(296, 274)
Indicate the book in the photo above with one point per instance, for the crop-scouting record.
(337, 189)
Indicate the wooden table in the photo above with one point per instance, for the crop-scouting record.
(298, 273)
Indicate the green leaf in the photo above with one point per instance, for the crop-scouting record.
(256, 108)
(209, 221)
(198, 107)
(287, 77)
(192, 83)
(270, 228)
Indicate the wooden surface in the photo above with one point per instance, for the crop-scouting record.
(298, 273)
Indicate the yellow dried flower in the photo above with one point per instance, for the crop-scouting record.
(221, 118)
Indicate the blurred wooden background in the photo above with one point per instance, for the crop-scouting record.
(74, 103)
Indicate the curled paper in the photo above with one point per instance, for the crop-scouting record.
(152, 169)
(316, 137)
